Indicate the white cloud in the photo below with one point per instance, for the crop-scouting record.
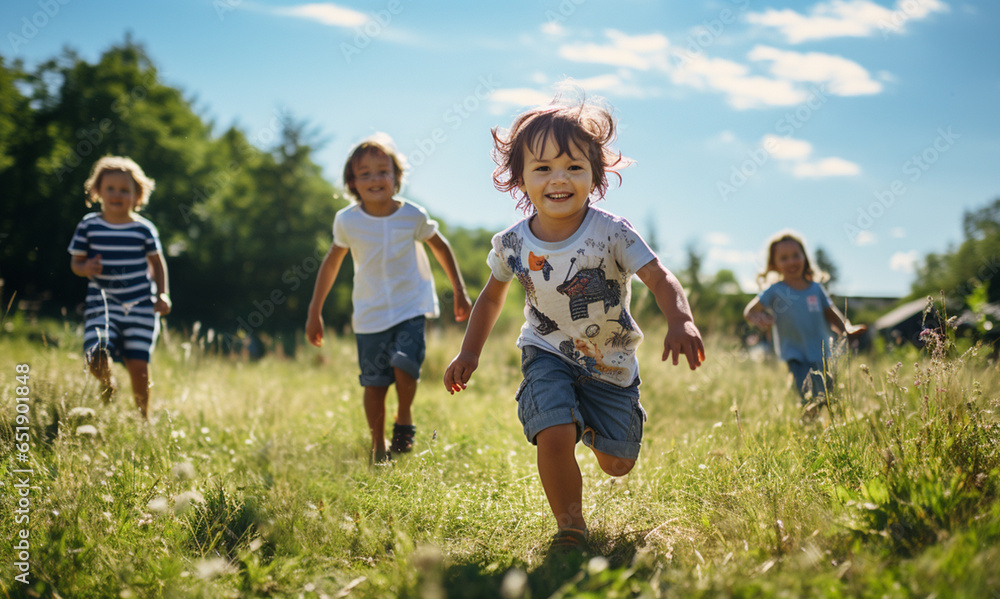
(743, 89)
(897, 232)
(640, 52)
(718, 238)
(520, 96)
(619, 85)
(649, 43)
(325, 14)
(904, 261)
(827, 167)
(729, 256)
(554, 29)
(726, 137)
(845, 18)
(864, 238)
(768, 77)
(843, 77)
(798, 151)
(786, 148)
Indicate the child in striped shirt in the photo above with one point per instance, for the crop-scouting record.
(120, 253)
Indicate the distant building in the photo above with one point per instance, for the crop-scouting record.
(906, 322)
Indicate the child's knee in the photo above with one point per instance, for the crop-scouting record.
(616, 466)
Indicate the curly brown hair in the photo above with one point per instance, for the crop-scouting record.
(589, 126)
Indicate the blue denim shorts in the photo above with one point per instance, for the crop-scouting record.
(556, 392)
(808, 379)
(400, 346)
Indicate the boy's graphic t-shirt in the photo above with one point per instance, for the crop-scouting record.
(392, 275)
(578, 291)
(801, 331)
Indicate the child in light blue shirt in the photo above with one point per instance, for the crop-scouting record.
(801, 314)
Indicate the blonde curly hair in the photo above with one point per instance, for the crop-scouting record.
(144, 186)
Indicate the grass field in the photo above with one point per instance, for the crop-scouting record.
(252, 480)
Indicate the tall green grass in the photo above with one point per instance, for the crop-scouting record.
(252, 479)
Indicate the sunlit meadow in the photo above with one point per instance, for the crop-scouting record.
(252, 479)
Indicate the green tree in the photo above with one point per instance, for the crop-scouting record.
(71, 114)
(974, 263)
(825, 264)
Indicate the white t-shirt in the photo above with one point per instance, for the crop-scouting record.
(392, 276)
(577, 292)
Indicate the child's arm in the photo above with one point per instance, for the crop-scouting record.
(683, 336)
(840, 324)
(158, 265)
(446, 257)
(84, 267)
(484, 316)
(324, 281)
(757, 315)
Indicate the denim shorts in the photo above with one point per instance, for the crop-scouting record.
(556, 392)
(400, 346)
(809, 379)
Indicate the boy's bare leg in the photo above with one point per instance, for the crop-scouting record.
(406, 389)
(100, 366)
(610, 464)
(560, 475)
(138, 371)
(375, 413)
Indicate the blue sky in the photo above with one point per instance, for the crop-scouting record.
(869, 126)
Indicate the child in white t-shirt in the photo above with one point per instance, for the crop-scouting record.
(393, 287)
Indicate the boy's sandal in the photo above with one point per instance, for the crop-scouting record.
(570, 539)
(402, 438)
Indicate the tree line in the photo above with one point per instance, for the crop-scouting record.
(245, 218)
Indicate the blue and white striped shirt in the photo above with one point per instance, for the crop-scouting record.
(124, 250)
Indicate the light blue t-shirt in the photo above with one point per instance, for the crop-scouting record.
(801, 331)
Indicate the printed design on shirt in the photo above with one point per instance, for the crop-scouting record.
(625, 234)
(542, 323)
(812, 303)
(587, 286)
(569, 348)
(587, 354)
(541, 263)
(622, 339)
(510, 241)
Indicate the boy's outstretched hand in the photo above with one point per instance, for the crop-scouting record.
(684, 339)
(314, 330)
(463, 307)
(460, 371)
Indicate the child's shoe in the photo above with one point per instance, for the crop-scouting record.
(402, 438)
(570, 540)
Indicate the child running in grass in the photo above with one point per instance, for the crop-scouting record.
(393, 287)
(575, 262)
(801, 313)
(120, 253)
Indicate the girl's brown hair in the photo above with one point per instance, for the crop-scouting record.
(380, 143)
(808, 272)
(118, 164)
(589, 126)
